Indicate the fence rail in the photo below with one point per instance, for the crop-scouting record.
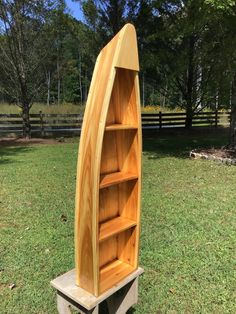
(71, 123)
(170, 120)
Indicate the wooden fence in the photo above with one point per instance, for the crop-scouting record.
(172, 120)
(44, 124)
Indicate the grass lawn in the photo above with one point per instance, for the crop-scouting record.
(188, 226)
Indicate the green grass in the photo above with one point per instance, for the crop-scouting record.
(188, 226)
(65, 108)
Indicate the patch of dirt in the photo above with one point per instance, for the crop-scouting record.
(226, 156)
(13, 141)
(223, 153)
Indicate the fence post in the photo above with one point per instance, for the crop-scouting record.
(216, 118)
(160, 120)
(41, 123)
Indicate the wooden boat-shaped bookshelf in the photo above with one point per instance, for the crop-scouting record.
(108, 187)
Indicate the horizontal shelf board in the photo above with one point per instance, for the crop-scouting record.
(114, 127)
(114, 226)
(116, 178)
(112, 273)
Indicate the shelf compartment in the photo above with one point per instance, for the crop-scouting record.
(120, 152)
(123, 102)
(112, 273)
(118, 126)
(114, 226)
(116, 178)
(119, 200)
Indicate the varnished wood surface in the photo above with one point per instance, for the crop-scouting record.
(114, 226)
(109, 169)
(114, 127)
(113, 273)
(116, 178)
(87, 178)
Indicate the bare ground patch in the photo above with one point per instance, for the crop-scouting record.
(19, 141)
(227, 156)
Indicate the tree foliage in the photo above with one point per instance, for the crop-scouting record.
(187, 50)
(23, 35)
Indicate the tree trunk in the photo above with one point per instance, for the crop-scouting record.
(58, 83)
(26, 121)
(143, 88)
(86, 86)
(233, 116)
(80, 80)
(190, 83)
(48, 85)
(189, 116)
(164, 96)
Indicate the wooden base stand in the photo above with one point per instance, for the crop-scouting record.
(118, 299)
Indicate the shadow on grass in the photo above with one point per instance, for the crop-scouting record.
(178, 143)
(7, 153)
(156, 144)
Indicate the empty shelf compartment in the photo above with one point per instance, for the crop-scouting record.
(112, 273)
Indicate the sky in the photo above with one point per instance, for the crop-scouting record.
(74, 9)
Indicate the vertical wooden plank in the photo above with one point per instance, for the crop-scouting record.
(88, 173)
(41, 123)
(108, 251)
(122, 108)
(127, 242)
(128, 96)
(160, 120)
(127, 141)
(128, 199)
(139, 170)
(109, 161)
(63, 306)
(108, 203)
(216, 118)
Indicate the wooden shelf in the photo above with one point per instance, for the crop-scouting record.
(114, 226)
(112, 273)
(117, 127)
(115, 178)
(107, 214)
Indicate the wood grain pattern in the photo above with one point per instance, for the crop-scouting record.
(117, 127)
(109, 162)
(126, 247)
(109, 207)
(116, 178)
(113, 273)
(108, 183)
(128, 197)
(65, 284)
(108, 251)
(123, 105)
(114, 226)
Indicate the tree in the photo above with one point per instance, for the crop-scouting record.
(226, 11)
(76, 61)
(23, 51)
(233, 117)
(185, 44)
(106, 18)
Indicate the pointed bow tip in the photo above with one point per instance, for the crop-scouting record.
(129, 30)
(127, 56)
(129, 26)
